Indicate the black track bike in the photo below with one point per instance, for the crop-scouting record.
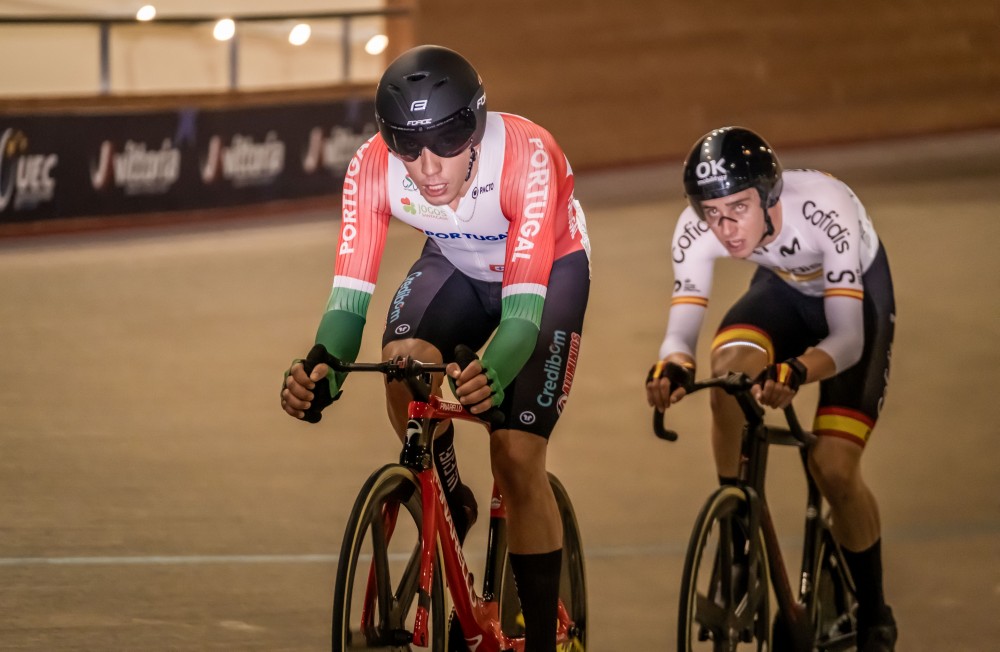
(734, 562)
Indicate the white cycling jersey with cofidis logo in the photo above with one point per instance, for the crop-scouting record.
(517, 217)
(825, 245)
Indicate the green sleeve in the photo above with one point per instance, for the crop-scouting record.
(513, 342)
(341, 327)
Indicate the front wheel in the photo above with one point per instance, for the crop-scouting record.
(377, 587)
(572, 583)
(725, 595)
(834, 604)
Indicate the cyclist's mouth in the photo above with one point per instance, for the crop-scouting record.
(435, 189)
(735, 245)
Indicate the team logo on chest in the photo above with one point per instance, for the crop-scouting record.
(419, 209)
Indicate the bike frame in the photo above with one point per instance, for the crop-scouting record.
(757, 438)
(478, 615)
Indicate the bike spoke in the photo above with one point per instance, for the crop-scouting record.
(409, 583)
(380, 572)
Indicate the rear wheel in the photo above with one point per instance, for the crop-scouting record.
(572, 582)
(834, 604)
(377, 587)
(725, 596)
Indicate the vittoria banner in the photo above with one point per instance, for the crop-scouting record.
(81, 164)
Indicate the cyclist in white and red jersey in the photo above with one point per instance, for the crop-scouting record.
(506, 255)
(820, 308)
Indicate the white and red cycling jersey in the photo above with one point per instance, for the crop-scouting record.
(825, 245)
(517, 217)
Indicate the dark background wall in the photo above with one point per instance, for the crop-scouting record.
(627, 81)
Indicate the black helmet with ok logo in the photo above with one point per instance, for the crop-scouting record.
(729, 160)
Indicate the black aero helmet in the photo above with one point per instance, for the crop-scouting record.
(430, 97)
(728, 160)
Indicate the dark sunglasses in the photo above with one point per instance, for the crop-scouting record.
(447, 139)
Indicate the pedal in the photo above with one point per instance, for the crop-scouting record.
(399, 637)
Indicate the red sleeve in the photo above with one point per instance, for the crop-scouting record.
(365, 213)
(535, 187)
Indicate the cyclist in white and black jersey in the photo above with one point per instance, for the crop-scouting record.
(819, 308)
(506, 262)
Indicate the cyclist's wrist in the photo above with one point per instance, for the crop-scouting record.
(791, 373)
(799, 371)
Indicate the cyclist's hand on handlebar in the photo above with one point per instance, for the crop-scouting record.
(304, 394)
(778, 383)
(471, 386)
(661, 392)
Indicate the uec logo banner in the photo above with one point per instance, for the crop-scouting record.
(59, 166)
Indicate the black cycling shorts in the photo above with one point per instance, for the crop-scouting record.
(791, 322)
(441, 305)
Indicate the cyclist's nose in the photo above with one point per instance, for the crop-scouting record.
(727, 224)
(430, 163)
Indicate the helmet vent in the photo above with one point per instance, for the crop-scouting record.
(415, 77)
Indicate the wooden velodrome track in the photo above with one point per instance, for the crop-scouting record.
(153, 496)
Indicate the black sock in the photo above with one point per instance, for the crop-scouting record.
(537, 579)
(447, 469)
(866, 569)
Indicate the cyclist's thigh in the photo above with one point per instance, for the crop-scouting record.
(438, 304)
(773, 318)
(535, 399)
(850, 402)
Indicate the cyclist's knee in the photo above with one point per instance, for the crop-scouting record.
(397, 394)
(748, 358)
(518, 461)
(419, 349)
(836, 467)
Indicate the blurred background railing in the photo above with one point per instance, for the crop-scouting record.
(149, 52)
(109, 119)
(617, 84)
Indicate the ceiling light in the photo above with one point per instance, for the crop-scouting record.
(224, 30)
(146, 13)
(299, 34)
(377, 44)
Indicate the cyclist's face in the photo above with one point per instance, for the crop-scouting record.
(737, 221)
(440, 180)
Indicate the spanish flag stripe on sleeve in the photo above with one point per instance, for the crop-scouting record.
(696, 301)
(845, 292)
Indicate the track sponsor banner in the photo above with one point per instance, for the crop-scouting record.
(57, 166)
